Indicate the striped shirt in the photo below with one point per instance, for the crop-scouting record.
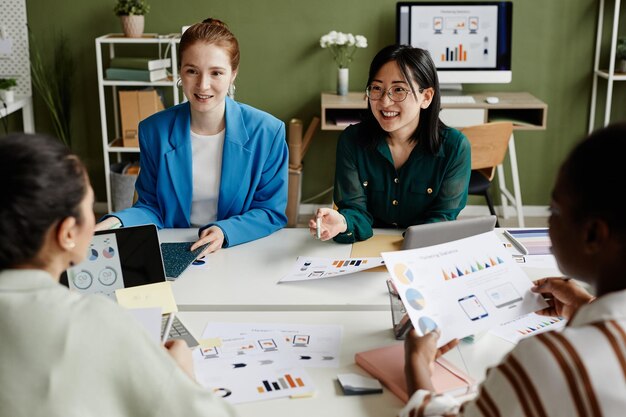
(580, 371)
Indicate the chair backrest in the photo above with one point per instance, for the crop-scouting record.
(489, 143)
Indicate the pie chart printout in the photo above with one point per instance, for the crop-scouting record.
(415, 299)
(403, 273)
(427, 325)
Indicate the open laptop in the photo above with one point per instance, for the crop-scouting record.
(122, 258)
(429, 234)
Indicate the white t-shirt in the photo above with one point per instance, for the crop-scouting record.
(206, 151)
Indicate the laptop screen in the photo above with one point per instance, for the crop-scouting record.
(429, 234)
(118, 258)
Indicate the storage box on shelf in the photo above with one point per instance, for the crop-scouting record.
(136, 105)
(128, 101)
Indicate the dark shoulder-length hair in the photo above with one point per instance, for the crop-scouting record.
(417, 66)
(42, 183)
(591, 173)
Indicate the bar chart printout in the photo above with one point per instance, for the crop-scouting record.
(254, 382)
(309, 268)
(286, 382)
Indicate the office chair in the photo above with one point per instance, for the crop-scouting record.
(489, 144)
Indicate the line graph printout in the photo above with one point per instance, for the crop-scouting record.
(461, 287)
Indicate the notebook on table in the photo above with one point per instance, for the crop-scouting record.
(429, 234)
(387, 365)
(121, 258)
(177, 257)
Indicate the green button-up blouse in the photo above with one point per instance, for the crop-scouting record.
(370, 192)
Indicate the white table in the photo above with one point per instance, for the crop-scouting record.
(362, 330)
(24, 103)
(245, 277)
(240, 286)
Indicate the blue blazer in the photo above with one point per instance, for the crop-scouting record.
(253, 187)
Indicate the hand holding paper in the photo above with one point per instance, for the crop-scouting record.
(461, 287)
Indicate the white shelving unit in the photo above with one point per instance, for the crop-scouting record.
(106, 44)
(607, 74)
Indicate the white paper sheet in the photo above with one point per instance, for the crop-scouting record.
(537, 261)
(527, 326)
(461, 287)
(308, 268)
(150, 319)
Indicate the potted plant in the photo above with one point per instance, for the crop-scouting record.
(620, 55)
(6, 89)
(131, 13)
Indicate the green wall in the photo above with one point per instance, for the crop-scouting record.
(283, 69)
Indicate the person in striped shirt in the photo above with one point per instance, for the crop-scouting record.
(580, 371)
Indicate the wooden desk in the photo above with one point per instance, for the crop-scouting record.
(24, 103)
(523, 109)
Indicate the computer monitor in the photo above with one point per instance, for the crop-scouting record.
(470, 42)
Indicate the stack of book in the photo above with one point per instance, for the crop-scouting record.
(138, 69)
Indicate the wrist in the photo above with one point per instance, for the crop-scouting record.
(115, 223)
(418, 375)
(344, 224)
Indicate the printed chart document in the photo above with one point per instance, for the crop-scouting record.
(306, 345)
(461, 287)
(255, 361)
(308, 268)
(244, 368)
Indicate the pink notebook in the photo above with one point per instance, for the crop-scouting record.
(387, 365)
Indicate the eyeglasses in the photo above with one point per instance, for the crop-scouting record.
(375, 92)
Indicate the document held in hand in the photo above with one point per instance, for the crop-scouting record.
(387, 365)
(461, 287)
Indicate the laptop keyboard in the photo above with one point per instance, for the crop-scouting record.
(179, 331)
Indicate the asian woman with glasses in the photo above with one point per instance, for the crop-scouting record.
(210, 162)
(402, 165)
